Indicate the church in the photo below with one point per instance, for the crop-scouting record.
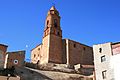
(55, 49)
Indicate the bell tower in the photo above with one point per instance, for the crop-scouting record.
(52, 38)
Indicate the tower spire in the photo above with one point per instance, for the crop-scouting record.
(53, 8)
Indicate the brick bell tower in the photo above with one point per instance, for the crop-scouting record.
(52, 38)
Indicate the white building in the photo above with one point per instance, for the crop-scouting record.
(107, 61)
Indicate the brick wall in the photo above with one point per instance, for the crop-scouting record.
(15, 59)
(55, 54)
(36, 54)
(78, 53)
(3, 49)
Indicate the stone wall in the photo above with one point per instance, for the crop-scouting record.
(59, 69)
(9, 78)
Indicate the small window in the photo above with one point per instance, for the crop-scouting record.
(38, 55)
(104, 74)
(34, 55)
(58, 33)
(74, 45)
(38, 48)
(100, 50)
(103, 58)
(84, 48)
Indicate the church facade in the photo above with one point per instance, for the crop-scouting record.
(54, 49)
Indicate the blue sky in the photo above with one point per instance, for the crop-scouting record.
(86, 21)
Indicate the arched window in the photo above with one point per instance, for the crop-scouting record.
(55, 22)
(47, 22)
